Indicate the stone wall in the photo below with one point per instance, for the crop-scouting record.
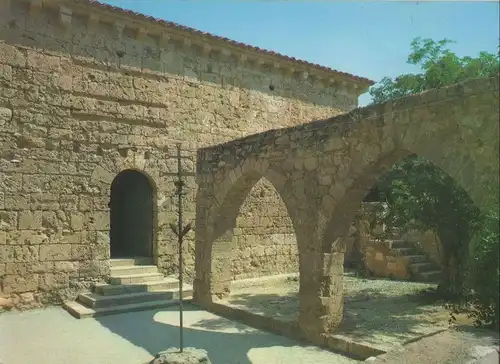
(264, 240)
(85, 94)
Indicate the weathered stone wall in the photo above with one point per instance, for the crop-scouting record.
(83, 98)
(264, 239)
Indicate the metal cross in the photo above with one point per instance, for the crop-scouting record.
(180, 231)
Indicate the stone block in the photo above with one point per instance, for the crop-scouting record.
(12, 55)
(44, 201)
(19, 284)
(77, 221)
(53, 280)
(80, 252)
(30, 220)
(55, 252)
(99, 221)
(188, 356)
(8, 220)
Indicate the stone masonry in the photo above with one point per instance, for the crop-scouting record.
(322, 171)
(88, 91)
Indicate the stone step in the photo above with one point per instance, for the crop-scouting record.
(120, 262)
(422, 267)
(79, 311)
(112, 289)
(405, 251)
(398, 244)
(417, 258)
(431, 276)
(136, 278)
(96, 301)
(127, 270)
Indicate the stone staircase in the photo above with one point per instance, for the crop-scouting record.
(420, 266)
(134, 285)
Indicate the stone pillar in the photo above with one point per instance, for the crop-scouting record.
(220, 280)
(213, 257)
(321, 293)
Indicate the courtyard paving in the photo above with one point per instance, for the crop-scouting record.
(52, 336)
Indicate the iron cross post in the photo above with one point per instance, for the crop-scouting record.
(180, 231)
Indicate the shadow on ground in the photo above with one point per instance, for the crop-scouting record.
(369, 315)
(227, 342)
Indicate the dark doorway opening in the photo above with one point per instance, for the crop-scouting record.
(131, 220)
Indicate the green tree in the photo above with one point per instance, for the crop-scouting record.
(422, 196)
(440, 67)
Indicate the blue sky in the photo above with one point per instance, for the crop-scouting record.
(369, 39)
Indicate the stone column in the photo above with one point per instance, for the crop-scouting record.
(321, 260)
(213, 256)
(321, 293)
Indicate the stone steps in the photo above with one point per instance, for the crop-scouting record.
(133, 270)
(155, 286)
(417, 258)
(93, 300)
(405, 251)
(431, 276)
(135, 278)
(400, 244)
(419, 264)
(422, 267)
(120, 262)
(134, 285)
(80, 311)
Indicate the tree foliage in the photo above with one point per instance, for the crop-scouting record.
(421, 196)
(440, 67)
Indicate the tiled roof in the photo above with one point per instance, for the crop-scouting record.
(224, 39)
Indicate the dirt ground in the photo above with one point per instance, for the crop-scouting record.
(382, 313)
(459, 345)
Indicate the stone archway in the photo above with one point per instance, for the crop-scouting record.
(131, 215)
(325, 169)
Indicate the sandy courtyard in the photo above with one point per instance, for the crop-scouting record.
(52, 336)
(382, 313)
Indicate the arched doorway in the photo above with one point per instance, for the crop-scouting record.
(131, 209)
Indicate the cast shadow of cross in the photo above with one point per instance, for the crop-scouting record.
(227, 342)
